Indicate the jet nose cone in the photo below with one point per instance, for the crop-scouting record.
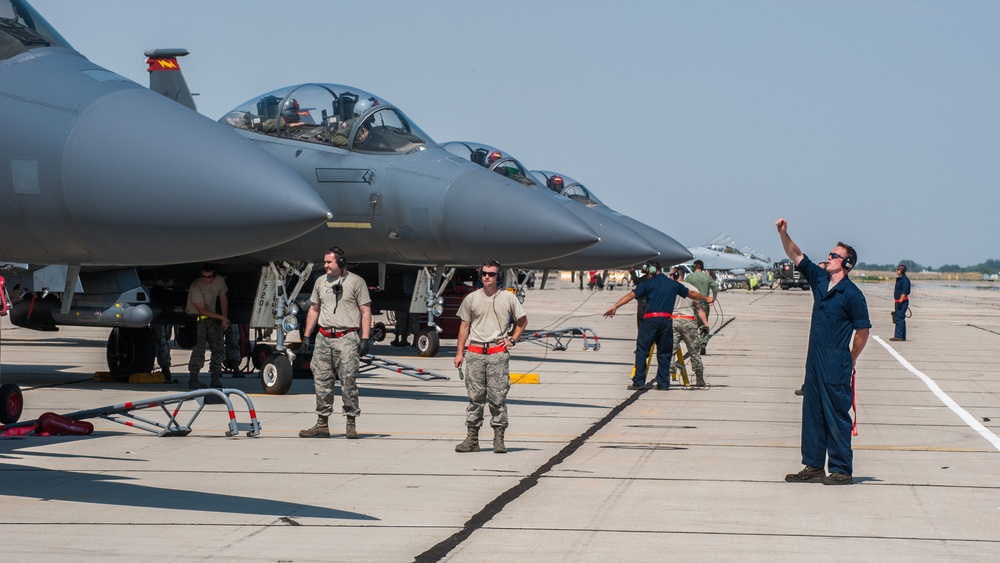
(671, 251)
(491, 217)
(174, 186)
(620, 246)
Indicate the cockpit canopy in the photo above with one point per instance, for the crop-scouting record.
(22, 28)
(330, 114)
(492, 159)
(564, 185)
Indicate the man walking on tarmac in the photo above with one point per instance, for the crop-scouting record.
(656, 328)
(341, 307)
(703, 283)
(839, 309)
(486, 314)
(688, 314)
(901, 296)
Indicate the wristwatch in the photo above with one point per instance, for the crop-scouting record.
(512, 341)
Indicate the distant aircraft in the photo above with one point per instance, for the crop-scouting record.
(671, 251)
(620, 246)
(99, 173)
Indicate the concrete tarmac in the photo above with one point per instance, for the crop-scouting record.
(594, 472)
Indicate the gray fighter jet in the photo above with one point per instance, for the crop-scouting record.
(400, 202)
(620, 246)
(96, 172)
(671, 251)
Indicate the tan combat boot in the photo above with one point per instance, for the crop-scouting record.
(352, 430)
(498, 445)
(471, 443)
(320, 430)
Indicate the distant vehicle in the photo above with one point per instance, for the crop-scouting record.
(788, 276)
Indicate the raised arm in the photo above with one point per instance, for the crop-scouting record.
(792, 250)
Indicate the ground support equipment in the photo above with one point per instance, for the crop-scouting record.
(372, 362)
(562, 338)
(124, 413)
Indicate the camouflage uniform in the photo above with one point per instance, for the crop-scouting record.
(208, 330)
(232, 344)
(336, 358)
(687, 330)
(487, 378)
(161, 342)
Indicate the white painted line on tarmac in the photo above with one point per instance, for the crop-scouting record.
(948, 401)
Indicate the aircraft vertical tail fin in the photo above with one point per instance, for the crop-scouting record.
(165, 76)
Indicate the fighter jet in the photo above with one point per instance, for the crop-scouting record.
(398, 199)
(620, 246)
(671, 251)
(98, 172)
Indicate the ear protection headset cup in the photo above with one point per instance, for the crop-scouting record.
(341, 257)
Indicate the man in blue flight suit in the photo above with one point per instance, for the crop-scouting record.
(901, 295)
(839, 308)
(657, 327)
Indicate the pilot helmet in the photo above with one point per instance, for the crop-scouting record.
(364, 105)
(556, 183)
(290, 111)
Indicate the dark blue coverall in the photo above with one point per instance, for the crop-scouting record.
(661, 293)
(827, 395)
(901, 295)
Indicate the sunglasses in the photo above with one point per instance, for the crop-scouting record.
(488, 274)
(207, 277)
(835, 256)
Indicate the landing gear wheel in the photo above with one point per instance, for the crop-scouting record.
(130, 350)
(276, 374)
(11, 403)
(428, 343)
(260, 353)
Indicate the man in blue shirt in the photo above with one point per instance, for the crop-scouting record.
(839, 309)
(901, 295)
(657, 326)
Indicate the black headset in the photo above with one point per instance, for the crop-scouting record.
(341, 257)
(848, 262)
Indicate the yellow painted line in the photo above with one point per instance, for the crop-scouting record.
(348, 225)
(527, 378)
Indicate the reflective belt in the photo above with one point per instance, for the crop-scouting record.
(201, 317)
(669, 316)
(330, 333)
(903, 298)
(490, 350)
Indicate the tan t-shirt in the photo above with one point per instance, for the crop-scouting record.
(683, 305)
(489, 317)
(205, 293)
(341, 311)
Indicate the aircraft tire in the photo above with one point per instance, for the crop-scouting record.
(130, 350)
(11, 403)
(276, 374)
(428, 343)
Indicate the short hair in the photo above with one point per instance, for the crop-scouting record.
(208, 267)
(491, 263)
(699, 265)
(851, 254)
(901, 267)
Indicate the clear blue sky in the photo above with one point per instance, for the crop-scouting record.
(873, 122)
